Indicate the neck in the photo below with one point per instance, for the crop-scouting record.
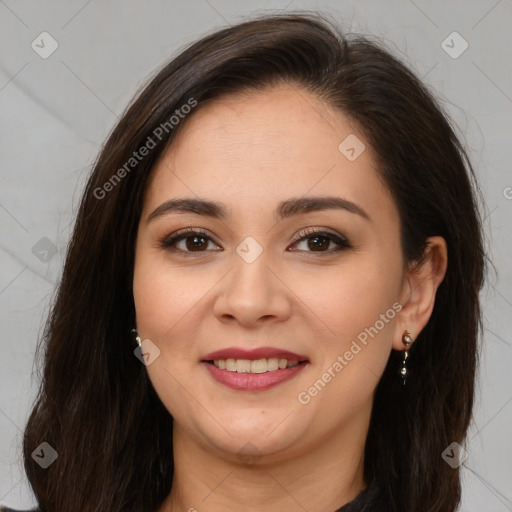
(318, 480)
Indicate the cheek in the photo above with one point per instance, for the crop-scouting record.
(353, 297)
(358, 304)
(171, 303)
(359, 309)
(165, 295)
(166, 301)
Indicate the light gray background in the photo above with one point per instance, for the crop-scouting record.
(56, 112)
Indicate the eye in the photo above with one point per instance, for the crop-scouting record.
(317, 240)
(320, 240)
(191, 240)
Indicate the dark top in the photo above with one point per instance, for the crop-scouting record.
(368, 500)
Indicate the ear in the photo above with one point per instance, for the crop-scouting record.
(419, 290)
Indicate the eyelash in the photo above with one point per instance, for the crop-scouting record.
(342, 242)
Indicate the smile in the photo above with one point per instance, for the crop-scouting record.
(256, 366)
(253, 370)
(262, 378)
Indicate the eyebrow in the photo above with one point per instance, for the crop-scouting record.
(285, 209)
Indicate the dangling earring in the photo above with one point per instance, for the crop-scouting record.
(137, 337)
(407, 341)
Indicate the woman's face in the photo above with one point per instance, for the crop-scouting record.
(258, 284)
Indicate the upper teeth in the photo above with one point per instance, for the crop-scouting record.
(256, 366)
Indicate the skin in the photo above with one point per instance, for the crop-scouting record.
(250, 151)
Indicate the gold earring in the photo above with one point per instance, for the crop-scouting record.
(407, 341)
(137, 337)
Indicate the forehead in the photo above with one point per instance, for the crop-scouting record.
(267, 145)
(279, 124)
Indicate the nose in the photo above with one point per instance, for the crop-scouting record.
(253, 294)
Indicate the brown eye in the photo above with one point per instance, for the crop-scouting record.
(320, 241)
(187, 241)
(195, 243)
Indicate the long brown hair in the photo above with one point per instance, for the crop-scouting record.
(96, 406)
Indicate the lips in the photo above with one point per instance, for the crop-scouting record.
(253, 370)
(252, 355)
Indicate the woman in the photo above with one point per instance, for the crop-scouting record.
(286, 220)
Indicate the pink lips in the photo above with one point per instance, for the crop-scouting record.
(252, 355)
(253, 381)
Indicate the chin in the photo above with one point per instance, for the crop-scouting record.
(269, 445)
